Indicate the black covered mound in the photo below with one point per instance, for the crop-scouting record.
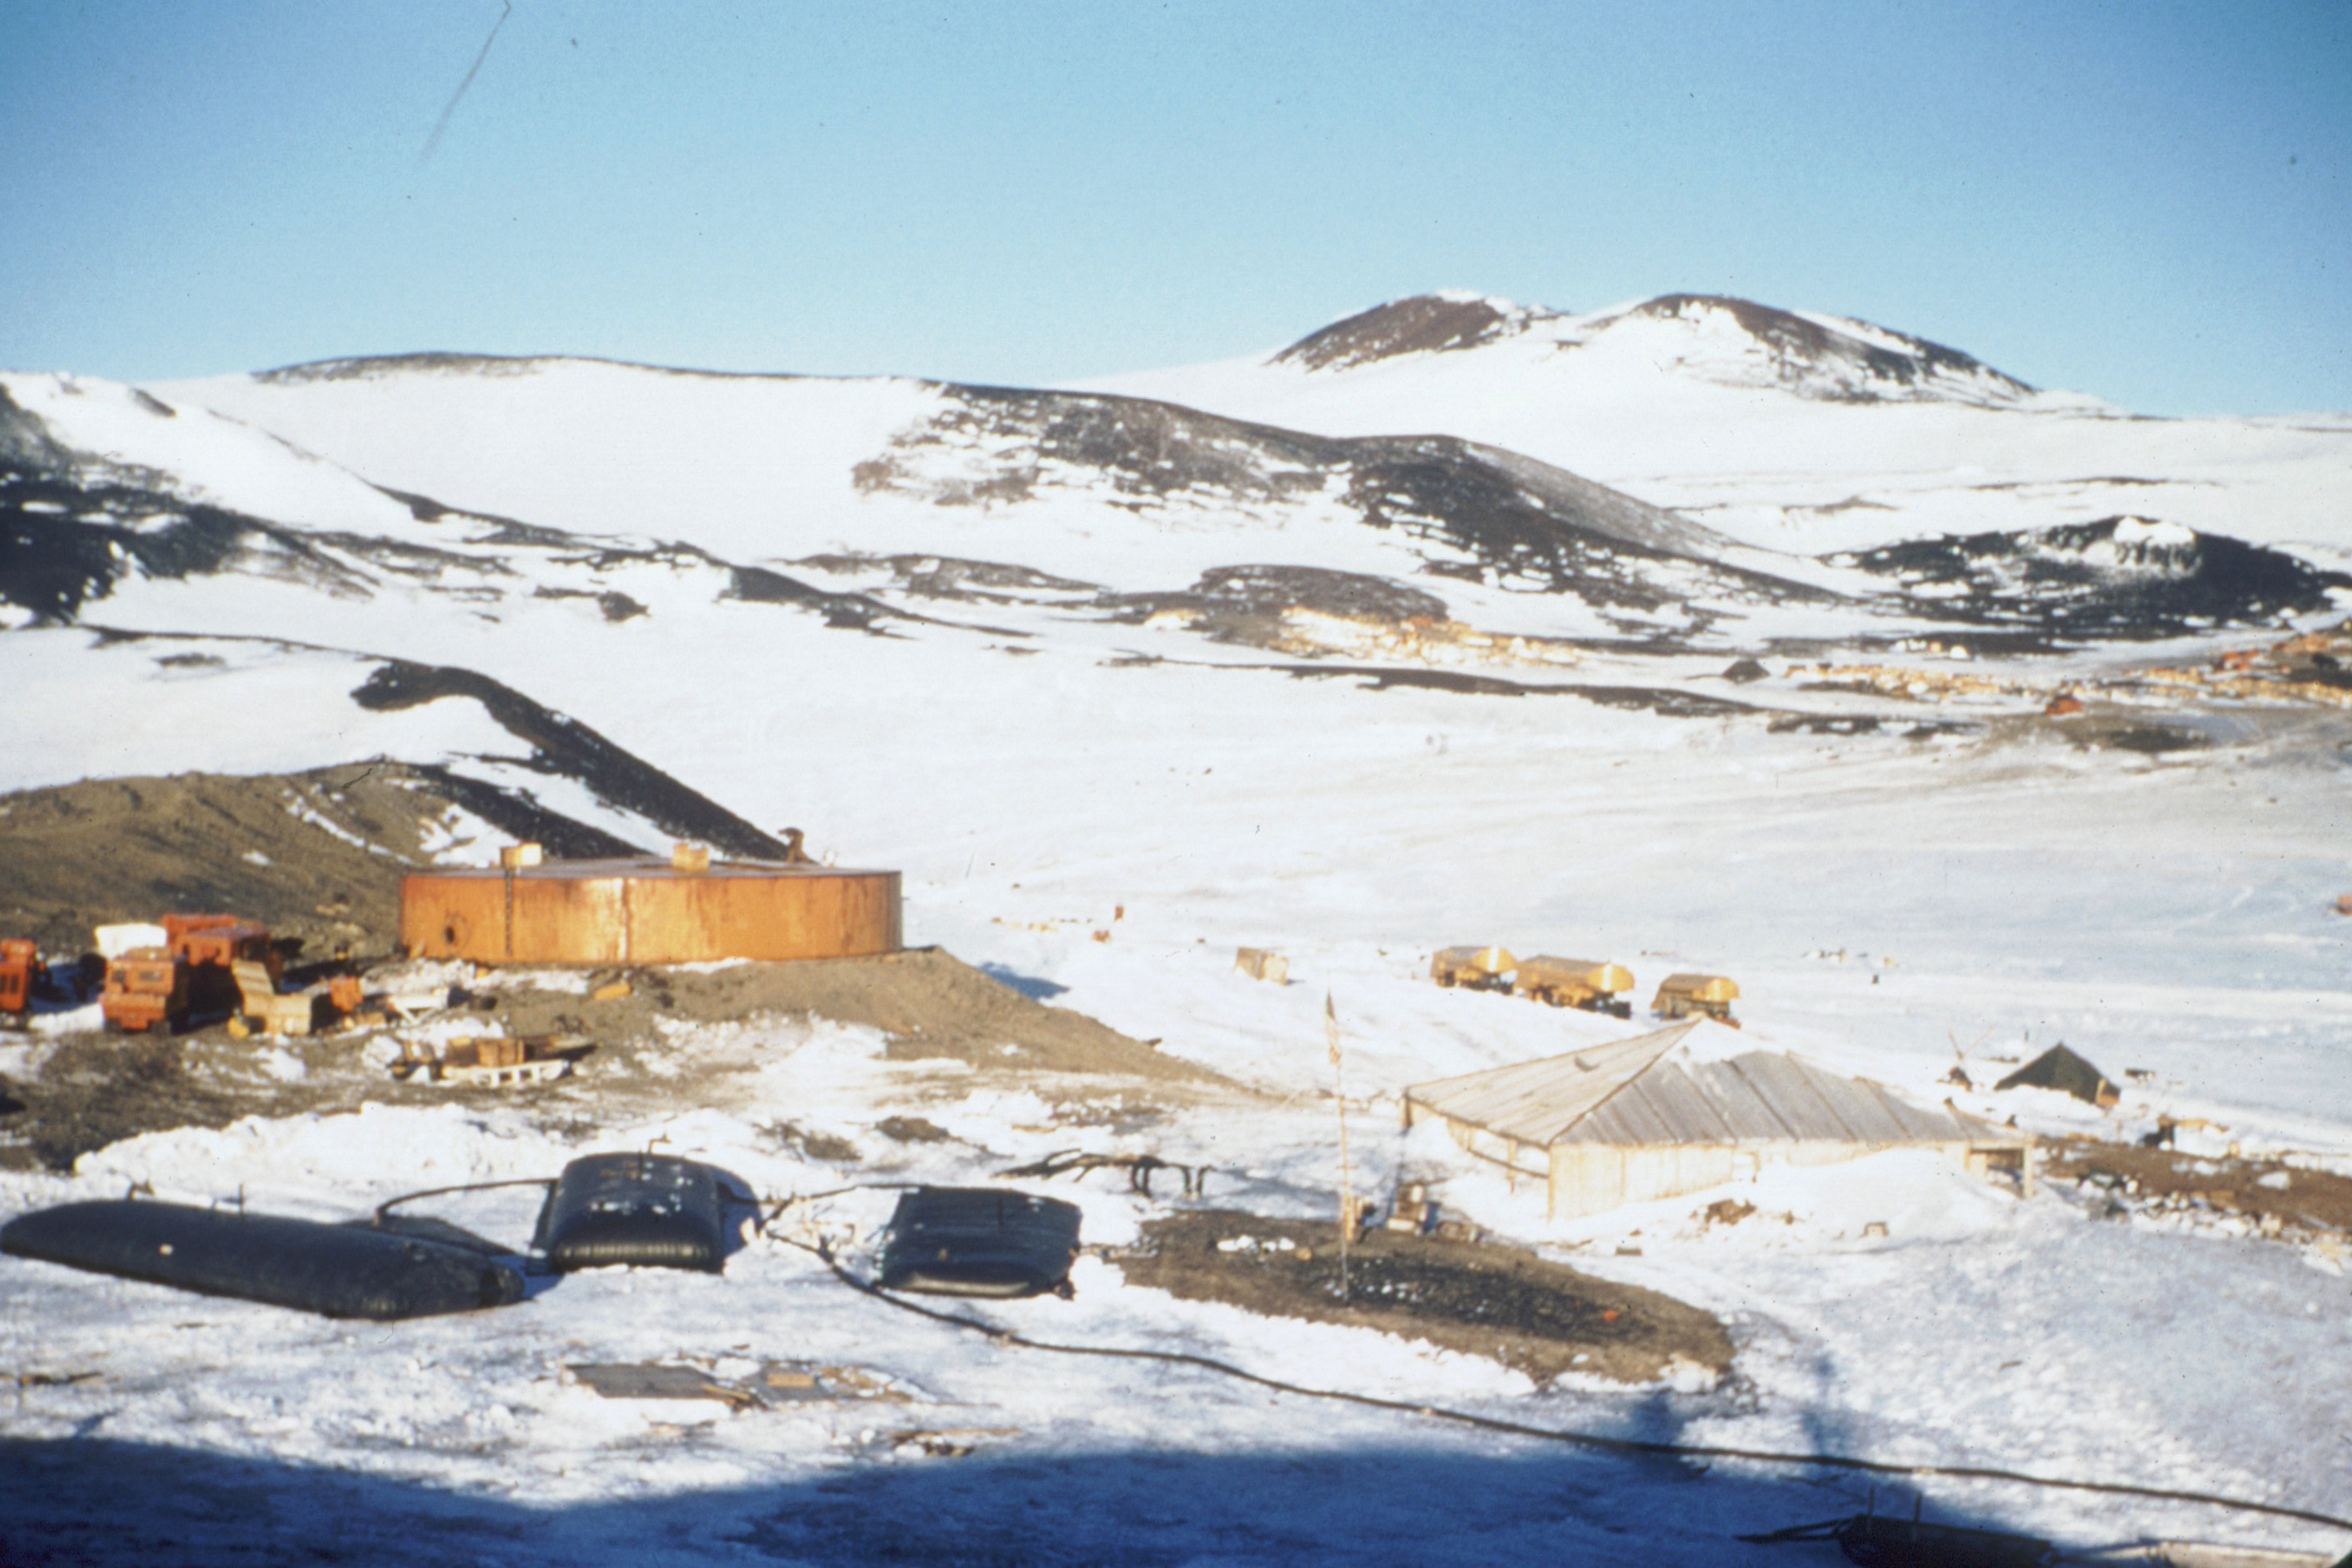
(339, 1271)
(2062, 1069)
(654, 1211)
(980, 1241)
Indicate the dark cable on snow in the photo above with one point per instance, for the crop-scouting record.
(776, 1205)
(796, 1199)
(389, 1204)
(1580, 1439)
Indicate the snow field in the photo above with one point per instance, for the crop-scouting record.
(1882, 901)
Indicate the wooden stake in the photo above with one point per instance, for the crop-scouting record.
(1340, 1088)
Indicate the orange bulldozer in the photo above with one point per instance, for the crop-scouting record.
(192, 975)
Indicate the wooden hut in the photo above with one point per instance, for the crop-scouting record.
(1638, 1120)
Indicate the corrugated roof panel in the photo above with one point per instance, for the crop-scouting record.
(1685, 1111)
(1935, 1125)
(1861, 1112)
(1781, 1083)
(1630, 1117)
(1625, 1095)
(1537, 1101)
(1742, 1109)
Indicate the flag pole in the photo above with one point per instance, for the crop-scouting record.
(1339, 1091)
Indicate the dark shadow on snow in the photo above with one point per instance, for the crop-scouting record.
(1035, 988)
(1429, 1499)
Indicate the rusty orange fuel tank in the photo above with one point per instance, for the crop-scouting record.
(648, 910)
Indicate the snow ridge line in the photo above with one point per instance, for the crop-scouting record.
(1557, 1435)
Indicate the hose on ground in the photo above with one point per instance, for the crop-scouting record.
(1594, 1440)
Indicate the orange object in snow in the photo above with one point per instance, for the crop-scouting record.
(17, 959)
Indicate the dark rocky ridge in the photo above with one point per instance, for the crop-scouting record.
(2094, 580)
(331, 842)
(1484, 511)
(1426, 323)
(1809, 358)
(63, 542)
(561, 746)
(361, 367)
(1246, 603)
(1801, 347)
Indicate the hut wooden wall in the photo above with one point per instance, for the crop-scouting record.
(1592, 1178)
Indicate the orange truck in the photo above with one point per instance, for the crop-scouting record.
(19, 963)
(192, 975)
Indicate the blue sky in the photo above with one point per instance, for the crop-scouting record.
(2146, 202)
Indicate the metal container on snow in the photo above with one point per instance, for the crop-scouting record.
(339, 1270)
(980, 1241)
(649, 1210)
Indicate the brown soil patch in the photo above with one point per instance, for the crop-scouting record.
(99, 1089)
(2312, 1202)
(931, 1003)
(316, 855)
(1539, 1318)
(95, 1090)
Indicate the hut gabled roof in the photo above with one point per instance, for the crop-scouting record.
(1628, 1095)
(1537, 1102)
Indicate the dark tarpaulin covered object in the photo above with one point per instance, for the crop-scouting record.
(649, 1210)
(338, 1270)
(980, 1241)
(2062, 1069)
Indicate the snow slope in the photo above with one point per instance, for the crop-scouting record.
(983, 635)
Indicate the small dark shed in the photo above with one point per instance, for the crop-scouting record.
(980, 1241)
(2062, 1069)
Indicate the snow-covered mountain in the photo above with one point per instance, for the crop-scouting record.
(1093, 505)
(459, 513)
(1789, 430)
(1726, 342)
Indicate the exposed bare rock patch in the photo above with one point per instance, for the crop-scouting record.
(1543, 1319)
(1426, 323)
